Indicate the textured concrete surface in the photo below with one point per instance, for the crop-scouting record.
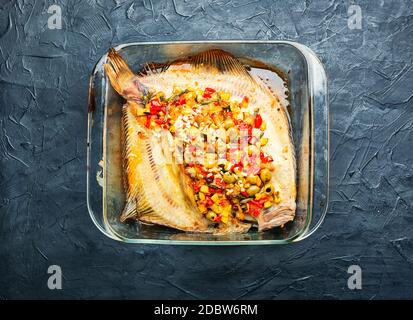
(43, 100)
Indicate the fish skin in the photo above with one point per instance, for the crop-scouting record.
(232, 78)
(152, 193)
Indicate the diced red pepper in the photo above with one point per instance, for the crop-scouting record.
(156, 106)
(208, 201)
(148, 121)
(196, 186)
(254, 208)
(229, 115)
(246, 100)
(262, 200)
(258, 121)
(218, 218)
(159, 121)
(237, 165)
(215, 190)
(203, 170)
(257, 203)
(220, 182)
(245, 194)
(208, 93)
(265, 159)
(181, 100)
(255, 213)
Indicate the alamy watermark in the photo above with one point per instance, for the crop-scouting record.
(54, 282)
(55, 20)
(354, 281)
(354, 17)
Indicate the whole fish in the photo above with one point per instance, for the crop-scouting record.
(158, 191)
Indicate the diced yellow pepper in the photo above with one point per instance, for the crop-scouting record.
(204, 189)
(263, 141)
(216, 208)
(258, 196)
(225, 96)
(225, 213)
(215, 197)
(267, 204)
(202, 208)
(224, 219)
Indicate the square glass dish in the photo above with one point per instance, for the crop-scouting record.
(308, 111)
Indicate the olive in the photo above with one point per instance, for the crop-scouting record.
(269, 188)
(228, 177)
(253, 190)
(252, 179)
(265, 175)
(209, 178)
(211, 215)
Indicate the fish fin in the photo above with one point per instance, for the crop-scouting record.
(123, 80)
(233, 226)
(153, 182)
(275, 218)
(221, 61)
(130, 153)
(153, 218)
(129, 212)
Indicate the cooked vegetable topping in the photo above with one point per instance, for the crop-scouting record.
(222, 143)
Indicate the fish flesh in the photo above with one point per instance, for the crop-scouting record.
(162, 184)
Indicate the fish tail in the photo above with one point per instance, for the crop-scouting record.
(123, 80)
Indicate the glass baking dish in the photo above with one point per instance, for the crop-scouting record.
(307, 85)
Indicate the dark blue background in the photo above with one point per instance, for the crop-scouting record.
(43, 109)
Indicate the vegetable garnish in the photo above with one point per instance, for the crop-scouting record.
(224, 157)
